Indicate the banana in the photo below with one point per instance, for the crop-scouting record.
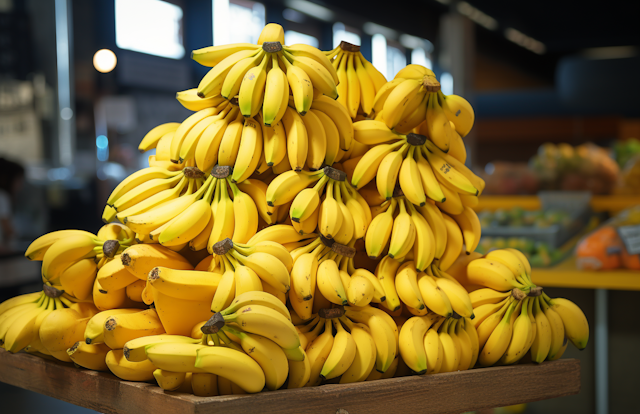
(411, 342)
(457, 331)
(331, 215)
(403, 234)
(211, 84)
(454, 243)
(94, 331)
(458, 296)
(267, 354)
(121, 328)
(354, 87)
(459, 112)
(257, 190)
(487, 296)
(66, 251)
(379, 231)
(388, 170)
(144, 191)
(576, 326)
(476, 181)
(256, 298)
(521, 337)
(318, 351)
(204, 385)
(230, 143)
(433, 296)
(150, 140)
(137, 178)
(208, 146)
(317, 141)
(330, 283)
(491, 274)
(438, 126)
(245, 214)
(301, 87)
(342, 353)
(331, 135)
(407, 286)
(113, 299)
(377, 78)
(280, 233)
(77, 279)
(140, 259)
(249, 153)
(190, 100)
(457, 149)
(410, 180)
(246, 280)
(339, 115)
(365, 357)
(153, 201)
(498, 342)
(174, 356)
(284, 188)
(414, 114)
(264, 321)
(185, 284)
(449, 175)
(268, 268)
(234, 78)
(304, 273)
(342, 87)
(367, 87)
(126, 370)
(470, 226)
(89, 356)
(135, 349)
(451, 351)
(60, 330)
(301, 49)
(297, 139)
(398, 99)
(386, 273)
(276, 89)
(371, 163)
(224, 222)
(372, 132)
(168, 380)
(452, 204)
(360, 291)
(513, 262)
(321, 77)
(212, 55)
(490, 320)
(306, 202)
(542, 341)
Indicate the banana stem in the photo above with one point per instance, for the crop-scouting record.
(320, 184)
(224, 336)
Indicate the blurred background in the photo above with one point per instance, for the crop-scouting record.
(554, 86)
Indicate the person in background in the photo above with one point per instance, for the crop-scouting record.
(11, 180)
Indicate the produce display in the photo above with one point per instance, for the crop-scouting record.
(539, 254)
(605, 249)
(628, 157)
(274, 242)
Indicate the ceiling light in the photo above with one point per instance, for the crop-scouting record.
(104, 60)
(525, 41)
(477, 16)
(614, 52)
(413, 42)
(373, 29)
(311, 9)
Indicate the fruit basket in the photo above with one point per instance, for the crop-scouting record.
(440, 393)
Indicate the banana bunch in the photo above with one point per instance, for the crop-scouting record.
(414, 100)
(43, 323)
(431, 344)
(72, 258)
(323, 274)
(262, 75)
(515, 317)
(358, 80)
(263, 266)
(248, 346)
(415, 164)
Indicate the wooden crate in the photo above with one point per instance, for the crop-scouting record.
(454, 392)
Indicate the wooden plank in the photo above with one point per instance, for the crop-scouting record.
(454, 392)
(565, 275)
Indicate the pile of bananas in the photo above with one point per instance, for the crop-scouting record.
(358, 80)
(308, 223)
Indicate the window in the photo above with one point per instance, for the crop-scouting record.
(379, 53)
(396, 60)
(446, 83)
(247, 19)
(420, 57)
(149, 26)
(341, 32)
(291, 38)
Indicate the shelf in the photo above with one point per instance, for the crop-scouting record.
(611, 204)
(453, 392)
(565, 275)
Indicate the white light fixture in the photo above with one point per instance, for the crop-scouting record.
(396, 60)
(149, 26)
(446, 83)
(413, 42)
(379, 53)
(340, 33)
(311, 9)
(248, 19)
(292, 37)
(104, 60)
(525, 41)
(373, 29)
(477, 16)
(419, 57)
(614, 52)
